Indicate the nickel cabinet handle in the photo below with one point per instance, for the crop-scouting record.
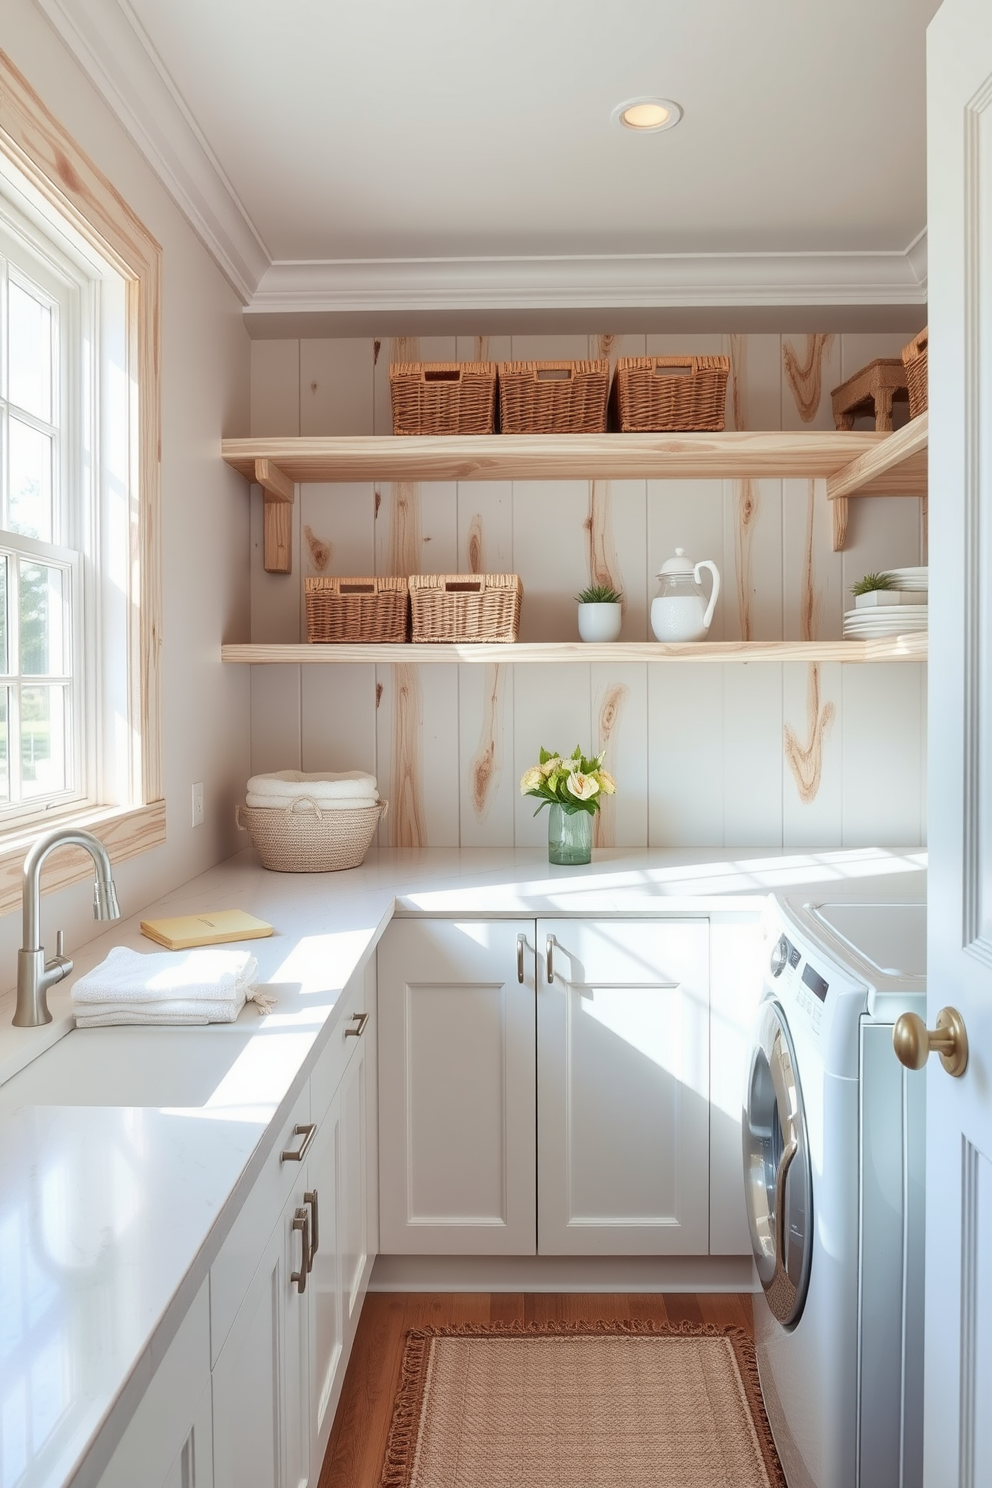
(521, 946)
(550, 957)
(362, 1019)
(310, 1197)
(301, 1222)
(307, 1133)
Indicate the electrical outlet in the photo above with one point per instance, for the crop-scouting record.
(198, 803)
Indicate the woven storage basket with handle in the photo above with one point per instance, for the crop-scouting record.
(443, 397)
(553, 397)
(305, 839)
(914, 359)
(465, 607)
(655, 394)
(357, 609)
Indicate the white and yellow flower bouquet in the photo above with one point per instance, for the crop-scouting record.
(574, 784)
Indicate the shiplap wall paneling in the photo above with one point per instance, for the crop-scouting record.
(752, 754)
(551, 709)
(485, 527)
(689, 515)
(276, 719)
(487, 783)
(338, 719)
(811, 367)
(882, 534)
(811, 747)
(752, 560)
(754, 387)
(336, 386)
(685, 756)
(619, 724)
(616, 533)
(882, 756)
(813, 574)
(417, 755)
(550, 553)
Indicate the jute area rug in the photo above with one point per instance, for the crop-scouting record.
(580, 1405)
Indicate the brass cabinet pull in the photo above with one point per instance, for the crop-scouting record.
(914, 1042)
(307, 1133)
(550, 954)
(310, 1197)
(362, 1018)
(521, 943)
(301, 1222)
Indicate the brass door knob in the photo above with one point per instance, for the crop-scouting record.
(914, 1042)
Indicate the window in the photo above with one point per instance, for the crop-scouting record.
(80, 584)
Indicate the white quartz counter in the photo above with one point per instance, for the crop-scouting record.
(126, 1153)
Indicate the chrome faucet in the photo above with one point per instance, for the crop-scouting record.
(34, 974)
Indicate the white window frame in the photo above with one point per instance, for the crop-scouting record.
(61, 188)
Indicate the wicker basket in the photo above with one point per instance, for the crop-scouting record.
(553, 397)
(304, 839)
(359, 609)
(443, 397)
(465, 607)
(654, 394)
(914, 359)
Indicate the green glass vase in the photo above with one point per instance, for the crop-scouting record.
(569, 836)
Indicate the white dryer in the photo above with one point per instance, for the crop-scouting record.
(834, 1171)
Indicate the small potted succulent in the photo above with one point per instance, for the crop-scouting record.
(600, 613)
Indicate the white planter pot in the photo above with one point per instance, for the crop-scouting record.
(600, 622)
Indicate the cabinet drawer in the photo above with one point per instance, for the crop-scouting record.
(232, 1271)
(341, 1045)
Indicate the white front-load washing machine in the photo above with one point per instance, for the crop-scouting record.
(834, 1170)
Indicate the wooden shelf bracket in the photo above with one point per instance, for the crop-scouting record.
(277, 531)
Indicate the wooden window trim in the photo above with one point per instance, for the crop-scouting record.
(34, 140)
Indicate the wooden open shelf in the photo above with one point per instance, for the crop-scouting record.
(854, 463)
(891, 648)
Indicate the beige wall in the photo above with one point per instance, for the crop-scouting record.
(705, 755)
(205, 393)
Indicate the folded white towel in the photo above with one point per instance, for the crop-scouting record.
(323, 785)
(204, 985)
(279, 803)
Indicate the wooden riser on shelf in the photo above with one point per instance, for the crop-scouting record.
(889, 648)
(854, 463)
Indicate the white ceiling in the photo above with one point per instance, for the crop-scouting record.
(316, 138)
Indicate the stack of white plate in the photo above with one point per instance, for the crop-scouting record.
(890, 620)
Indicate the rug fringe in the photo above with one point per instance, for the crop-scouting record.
(401, 1446)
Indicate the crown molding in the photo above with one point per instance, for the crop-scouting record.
(628, 281)
(110, 44)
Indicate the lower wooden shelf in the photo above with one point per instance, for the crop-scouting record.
(890, 648)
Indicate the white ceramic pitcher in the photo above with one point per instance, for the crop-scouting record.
(680, 611)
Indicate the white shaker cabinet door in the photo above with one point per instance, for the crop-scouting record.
(323, 1200)
(457, 1134)
(261, 1380)
(623, 1088)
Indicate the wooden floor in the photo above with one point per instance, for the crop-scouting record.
(358, 1439)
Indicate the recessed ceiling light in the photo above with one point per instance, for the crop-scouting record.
(647, 115)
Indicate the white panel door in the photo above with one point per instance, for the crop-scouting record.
(261, 1381)
(456, 1088)
(623, 1087)
(958, 1324)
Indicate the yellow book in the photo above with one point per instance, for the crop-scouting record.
(213, 928)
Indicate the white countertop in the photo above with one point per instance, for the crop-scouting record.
(125, 1153)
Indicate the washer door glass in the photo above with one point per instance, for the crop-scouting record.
(777, 1176)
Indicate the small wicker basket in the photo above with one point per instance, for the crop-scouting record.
(443, 397)
(656, 394)
(356, 609)
(914, 359)
(553, 397)
(465, 607)
(309, 840)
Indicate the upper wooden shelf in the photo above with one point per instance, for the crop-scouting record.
(554, 456)
(890, 648)
(854, 463)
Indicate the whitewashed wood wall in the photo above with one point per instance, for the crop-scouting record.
(734, 755)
